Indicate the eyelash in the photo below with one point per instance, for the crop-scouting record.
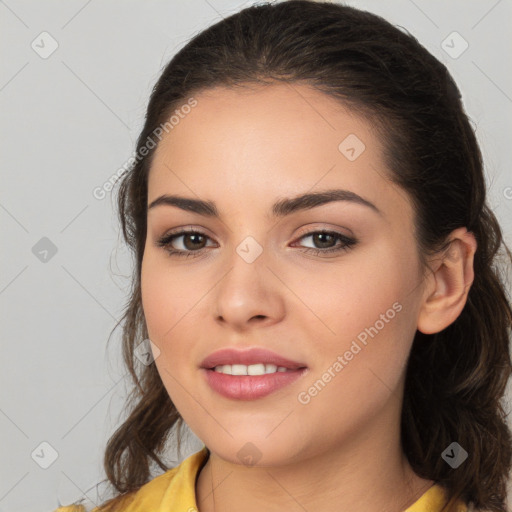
(167, 239)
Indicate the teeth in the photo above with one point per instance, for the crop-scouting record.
(238, 369)
(271, 368)
(252, 369)
(256, 369)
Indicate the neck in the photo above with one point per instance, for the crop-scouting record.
(367, 472)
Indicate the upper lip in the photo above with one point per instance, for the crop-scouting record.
(248, 357)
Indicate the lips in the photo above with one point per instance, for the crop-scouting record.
(250, 387)
(248, 357)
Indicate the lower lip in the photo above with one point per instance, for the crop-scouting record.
(250, 387)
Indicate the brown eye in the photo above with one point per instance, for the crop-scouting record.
(323, 242)
(191, 243)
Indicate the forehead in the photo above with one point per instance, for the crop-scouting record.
(260, 142)
(285, 125)
(263, 111)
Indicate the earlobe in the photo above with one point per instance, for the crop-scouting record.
(450, 281)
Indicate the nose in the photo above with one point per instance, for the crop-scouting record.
(249, 294)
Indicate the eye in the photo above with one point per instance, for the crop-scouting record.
(326, 239)
(193, 242)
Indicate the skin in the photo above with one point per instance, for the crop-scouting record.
(244, 149)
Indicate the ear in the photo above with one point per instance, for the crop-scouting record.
(448, 285)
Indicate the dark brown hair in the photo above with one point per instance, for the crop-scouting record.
(456, 378)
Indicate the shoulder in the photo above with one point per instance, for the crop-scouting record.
(177, 485)
(434, 499)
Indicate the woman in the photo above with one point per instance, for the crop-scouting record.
(315, 271)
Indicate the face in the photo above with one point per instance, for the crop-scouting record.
(335, 286)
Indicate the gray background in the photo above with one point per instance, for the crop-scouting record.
(69, 122)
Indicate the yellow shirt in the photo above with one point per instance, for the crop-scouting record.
(174, 491)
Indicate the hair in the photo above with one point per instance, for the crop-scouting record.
(456, 378)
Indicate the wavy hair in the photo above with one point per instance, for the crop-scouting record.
(456, 378)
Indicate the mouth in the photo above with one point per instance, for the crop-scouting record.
(249, 374)
(250, 360)
(252, 369)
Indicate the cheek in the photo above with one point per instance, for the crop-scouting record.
(358, 369)
(169, 298)
(364, 313)
(162, 312)
(156, 301)
(172, 311)
(344, 299)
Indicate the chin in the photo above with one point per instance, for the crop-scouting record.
(257, 451)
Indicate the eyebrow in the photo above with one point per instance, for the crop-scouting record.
(281, 208)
